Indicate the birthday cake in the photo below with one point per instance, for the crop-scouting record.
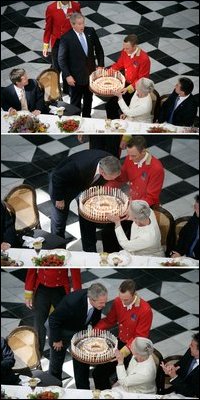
(98, 201)
(103, 82)
(93, 346)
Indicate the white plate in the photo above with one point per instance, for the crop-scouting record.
(116, 124)
(110, 394)
(55, 389)
(123, 255)
(184, 262)
(77, 118)
(59, 252)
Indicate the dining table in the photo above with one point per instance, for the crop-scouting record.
(24, 257)
(22, 392)
(90, 125)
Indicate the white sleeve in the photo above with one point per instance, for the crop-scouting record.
(135, 110)
(138, 243)
(130, 379)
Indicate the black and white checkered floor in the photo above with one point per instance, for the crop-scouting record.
(172, 293)
(167, 30)
(29, 158)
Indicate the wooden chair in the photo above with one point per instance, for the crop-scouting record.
(179, 224)
(158, 358)
(48, 81)
(22, 199)
(155, 104)
(24, 343)
(166, 224)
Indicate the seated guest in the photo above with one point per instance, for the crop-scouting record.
(145, 238)
(140, 107)
(23, 94)
(9, 236)
(8, 377)
(185, 373)
(140, 376)
(180, 108)
(188, 241)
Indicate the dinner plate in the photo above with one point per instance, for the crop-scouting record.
(118, 124)
(110, 394)
(122, 257)
(77, 118)
(181, 262)
(59, 252)
(55, 389)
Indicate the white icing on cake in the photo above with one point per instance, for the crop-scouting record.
(105, 81)
(93, 346)
(97, 201)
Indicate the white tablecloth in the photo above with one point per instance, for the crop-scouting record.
(84, 259)
(21, 392)
(88, 125)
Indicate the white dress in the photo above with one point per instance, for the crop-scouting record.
(144, 240)
(140, 377)
(139, 110)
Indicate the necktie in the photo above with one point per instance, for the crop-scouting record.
(192, 247)
(89, 315)
(23, 101)
(171, 114)
(83, 43)
(192, 366)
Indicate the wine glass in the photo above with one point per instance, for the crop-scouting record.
(60, 112)
(108, 125)
(37, 247)
(33, 383)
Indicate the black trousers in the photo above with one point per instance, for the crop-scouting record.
(109, 238)
(102, 373)
(54, 56)
(113, 110)
(109, 143)
(82, 92)
(43, 299)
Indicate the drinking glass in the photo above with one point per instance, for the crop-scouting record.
(60, 112)
(37, 247)
(33, 383)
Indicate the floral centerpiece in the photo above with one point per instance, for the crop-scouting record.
(27, 124)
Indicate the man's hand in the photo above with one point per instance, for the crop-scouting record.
(45, 52)
(80, 138)
(60, 204)
(29, 303)
(123, 91)
(36, 112)
(58, 345)
(71, 81)
(175, 254)
(5, 246)
(169, 369)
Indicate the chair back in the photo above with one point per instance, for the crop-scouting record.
(24, 343)
(22, 199)
(158, 358)
(179, 224)
(48, 81)
(166, 224)
(155, 104)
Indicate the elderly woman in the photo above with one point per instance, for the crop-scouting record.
(140, 107)
(145, 237)
(140, 376)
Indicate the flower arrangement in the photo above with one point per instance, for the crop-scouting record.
(69, 125)
(27, 124)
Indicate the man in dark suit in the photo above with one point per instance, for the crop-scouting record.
(185, 374)
(180, 108)
(188, 241)
(73, 175)
(74, 313)
(23, 94)
(78, 49)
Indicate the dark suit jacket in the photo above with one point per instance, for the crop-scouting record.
(72, 58)
(187, 236)
(75, 174)
(34, 96)
(184, 114)
(186, 385)
(70, 315)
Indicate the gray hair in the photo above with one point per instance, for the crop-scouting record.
(142, 346)
(75, 16)
(110, 165)
(145, 85)
(140, 209)
(96, 290)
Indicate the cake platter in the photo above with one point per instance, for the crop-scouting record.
(93, 346)
(98, 201)
(103, 82)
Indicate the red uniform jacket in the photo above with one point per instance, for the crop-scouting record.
(57, 23)
(134, 68)
(52, 277)
(131, 323)
(145, 182)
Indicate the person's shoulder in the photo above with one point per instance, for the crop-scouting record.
(68, 35)
(7, 88)
(145, 305)
(90, 30)
(52, 6)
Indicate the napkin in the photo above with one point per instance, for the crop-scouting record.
(28, 241)
(54, 109)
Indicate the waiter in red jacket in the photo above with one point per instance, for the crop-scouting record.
(133, 316)
(134, 64)
(44, 288)
(57, 23)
